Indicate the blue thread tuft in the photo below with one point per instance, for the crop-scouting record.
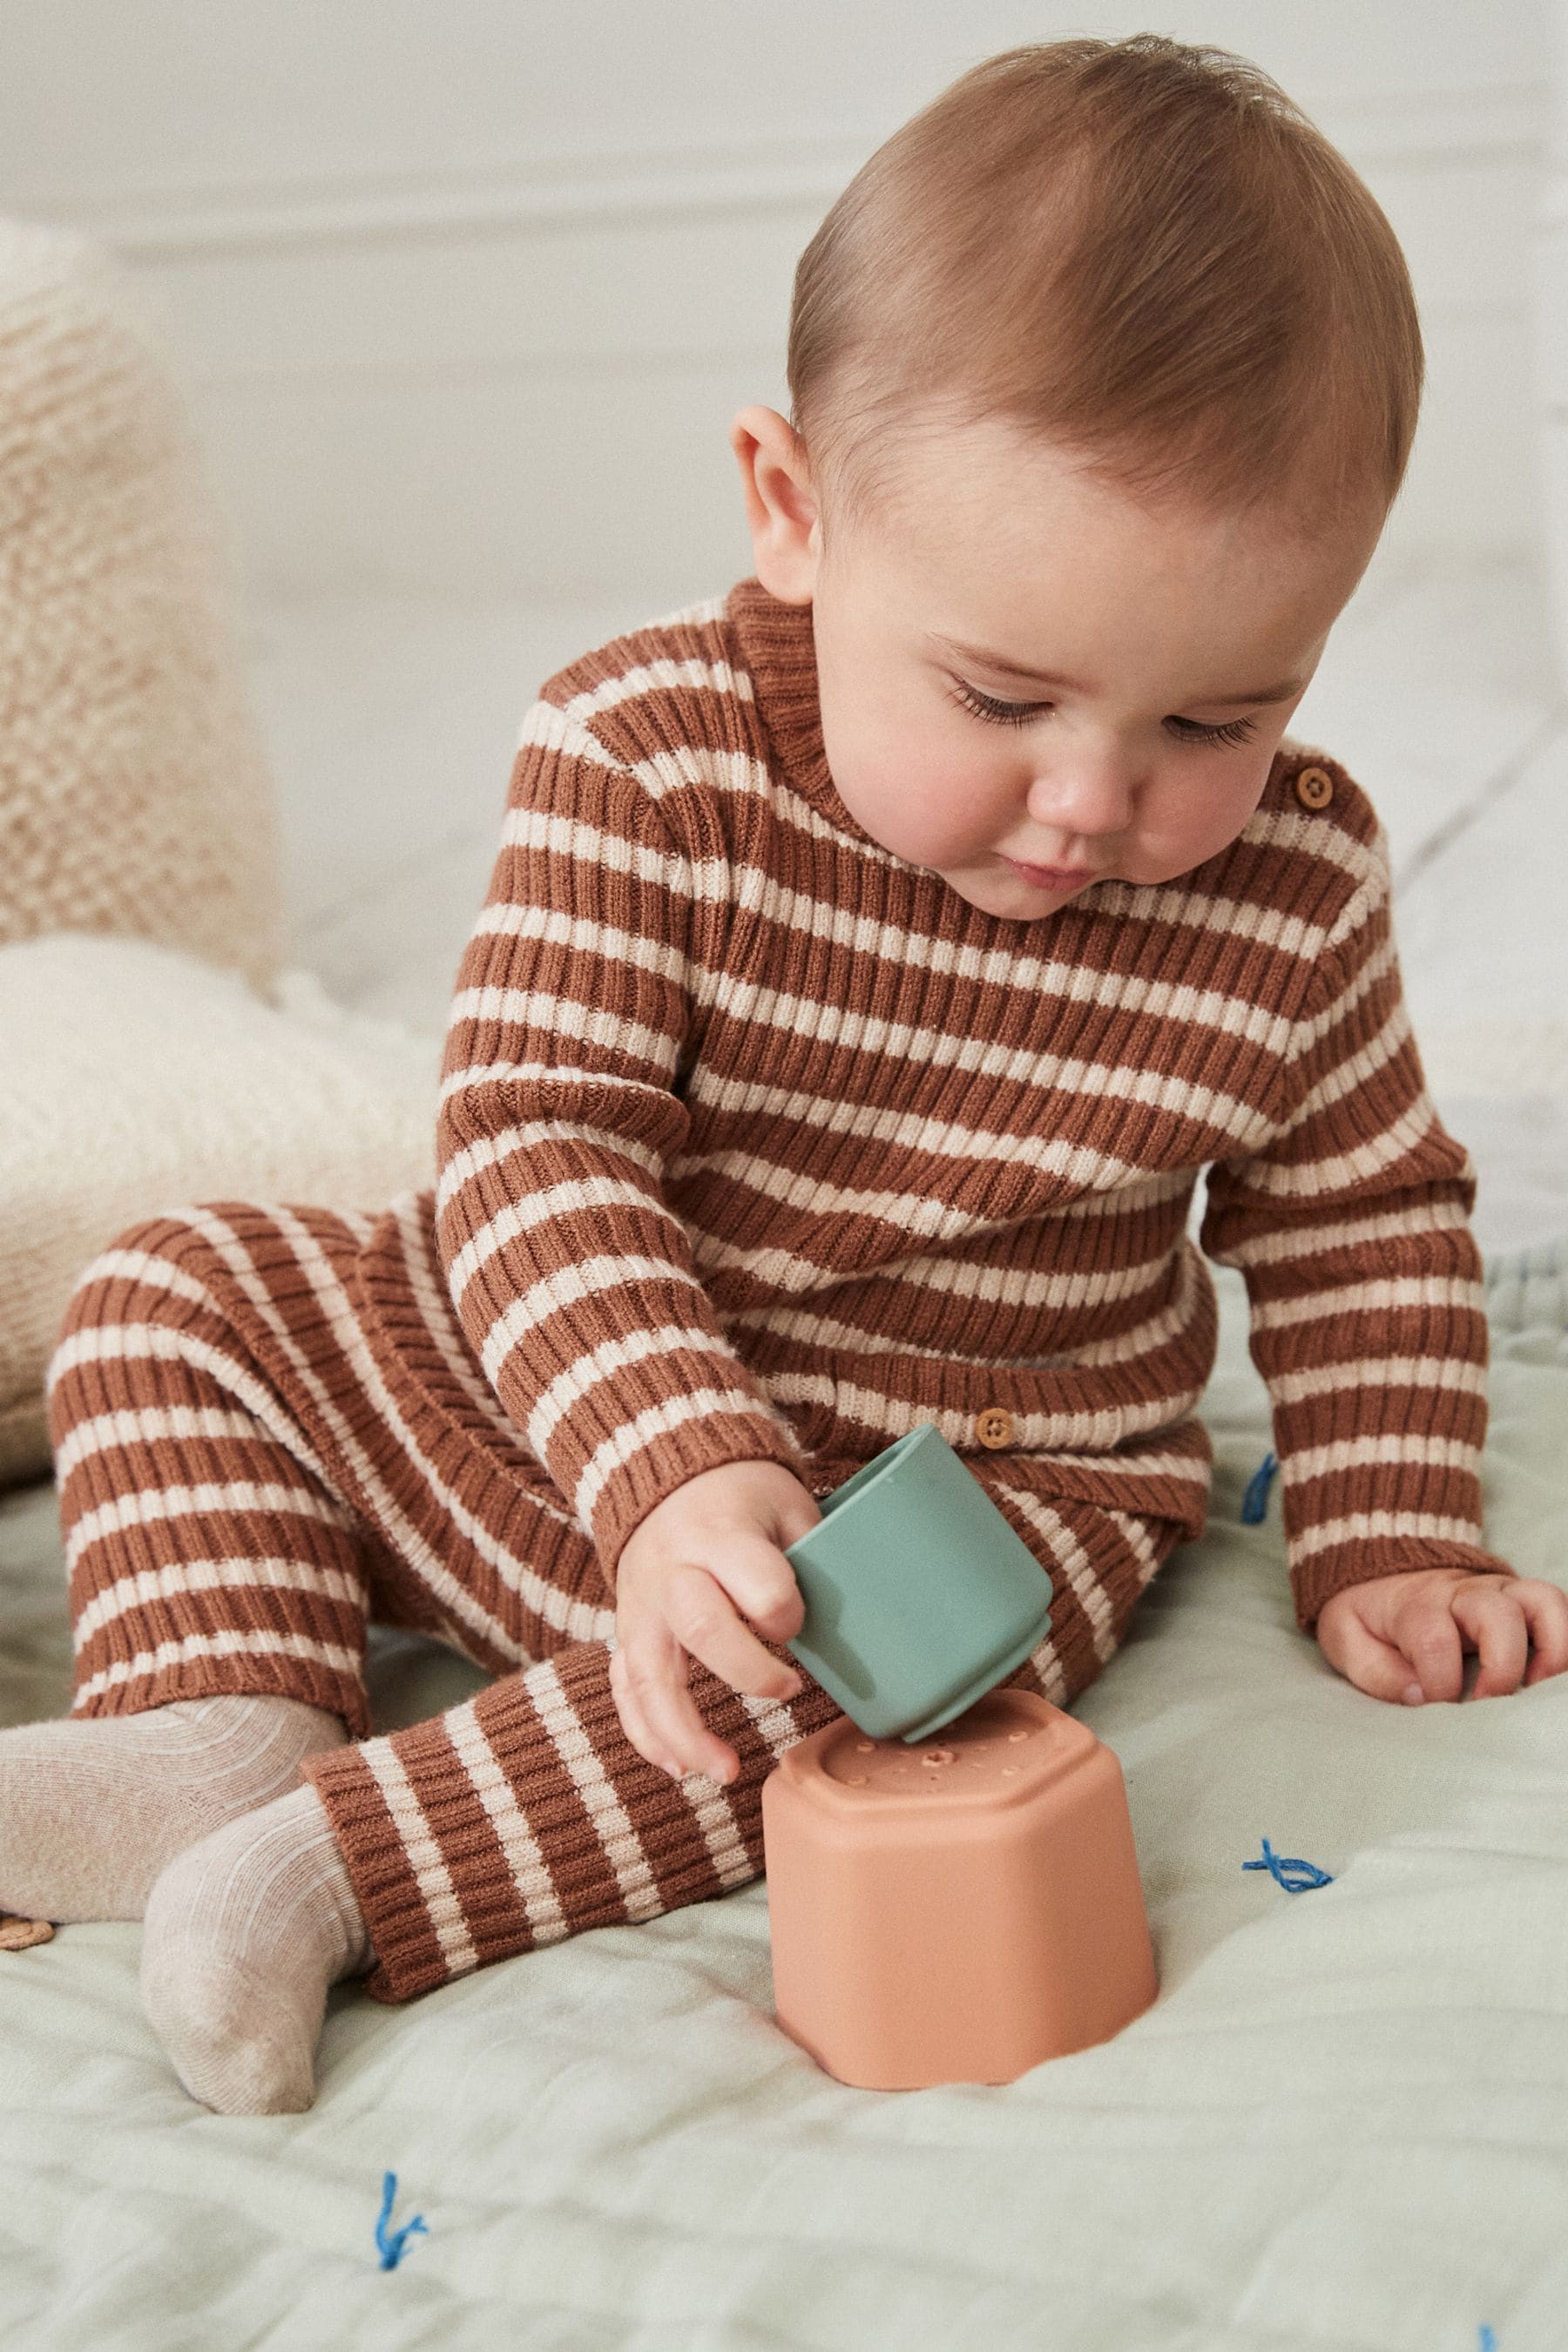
(1488, 2339)
(1306, 1875)
(392, 2242)
(1255, 1502)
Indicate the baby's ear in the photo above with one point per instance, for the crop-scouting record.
(781, 502)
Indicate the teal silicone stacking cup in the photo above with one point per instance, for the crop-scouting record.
(919, 1596)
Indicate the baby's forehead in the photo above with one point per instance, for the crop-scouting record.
(971, 555)
(927, 488)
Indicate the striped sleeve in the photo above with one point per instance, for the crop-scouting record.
(571, 1278)
(1368, 1316)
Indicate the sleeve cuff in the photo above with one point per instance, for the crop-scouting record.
(629, 1476)
(1316, 1580)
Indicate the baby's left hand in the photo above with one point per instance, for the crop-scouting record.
(1405, 1637)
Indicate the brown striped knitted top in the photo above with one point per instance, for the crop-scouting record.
(757, 1141)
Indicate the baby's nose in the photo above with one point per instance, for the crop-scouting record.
(1084, 796)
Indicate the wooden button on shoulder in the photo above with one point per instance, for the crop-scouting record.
(1314, 788)
(993, 1428)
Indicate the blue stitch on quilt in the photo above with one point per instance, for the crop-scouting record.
(1305, 1874)
(1255, 1502)
(392, 2242)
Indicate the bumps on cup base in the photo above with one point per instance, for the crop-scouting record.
(952, 1909)
(958, 1911)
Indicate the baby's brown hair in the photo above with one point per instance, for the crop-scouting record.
(1142, 251)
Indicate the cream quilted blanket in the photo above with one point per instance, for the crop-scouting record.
(1344, 2123)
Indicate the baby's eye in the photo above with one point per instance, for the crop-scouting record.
(1234, 731)
(1001, 714)
(1019, 714)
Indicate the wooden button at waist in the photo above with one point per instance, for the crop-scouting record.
(993, 1428)
(1314, 788)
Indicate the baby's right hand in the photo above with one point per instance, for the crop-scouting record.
(713, 1547)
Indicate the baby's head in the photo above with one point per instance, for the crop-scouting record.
(1104, 373)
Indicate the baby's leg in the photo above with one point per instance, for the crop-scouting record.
(526, 1815)
(219, 1588)
(91, 1811)
(520, 1818)
(245, 1463)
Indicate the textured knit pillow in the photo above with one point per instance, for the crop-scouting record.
(134, 1078)
(134, 796)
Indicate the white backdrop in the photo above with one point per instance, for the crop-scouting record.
(465, 291)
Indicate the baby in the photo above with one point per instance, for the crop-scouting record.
(876, 956)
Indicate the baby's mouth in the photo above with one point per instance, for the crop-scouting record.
(1053, 877)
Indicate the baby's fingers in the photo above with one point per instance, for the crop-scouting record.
(1374, 1665)
(705, 1622)
(634, 1722)
(1489, 1613)
(1546, 1613)
(652, 1699)
(1431, 1640)
(761, 1582)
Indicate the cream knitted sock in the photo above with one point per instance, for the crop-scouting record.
(93, 1806)
(245, 1934)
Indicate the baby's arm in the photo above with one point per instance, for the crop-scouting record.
(1351, 1226)
(574, 1279)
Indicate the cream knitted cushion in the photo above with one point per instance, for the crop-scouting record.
(134, 796)
(134, 1078)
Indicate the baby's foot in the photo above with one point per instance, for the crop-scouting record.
(93, 1806)
(245, 1933)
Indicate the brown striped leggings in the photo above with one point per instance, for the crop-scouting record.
(250, 1476)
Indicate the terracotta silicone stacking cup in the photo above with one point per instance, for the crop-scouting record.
(919, 1595)
(959, 1912)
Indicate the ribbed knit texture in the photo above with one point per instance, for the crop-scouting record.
(757, 1141)
(269, 1433)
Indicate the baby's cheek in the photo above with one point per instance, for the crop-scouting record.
(930, 809)
(1190, 822)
